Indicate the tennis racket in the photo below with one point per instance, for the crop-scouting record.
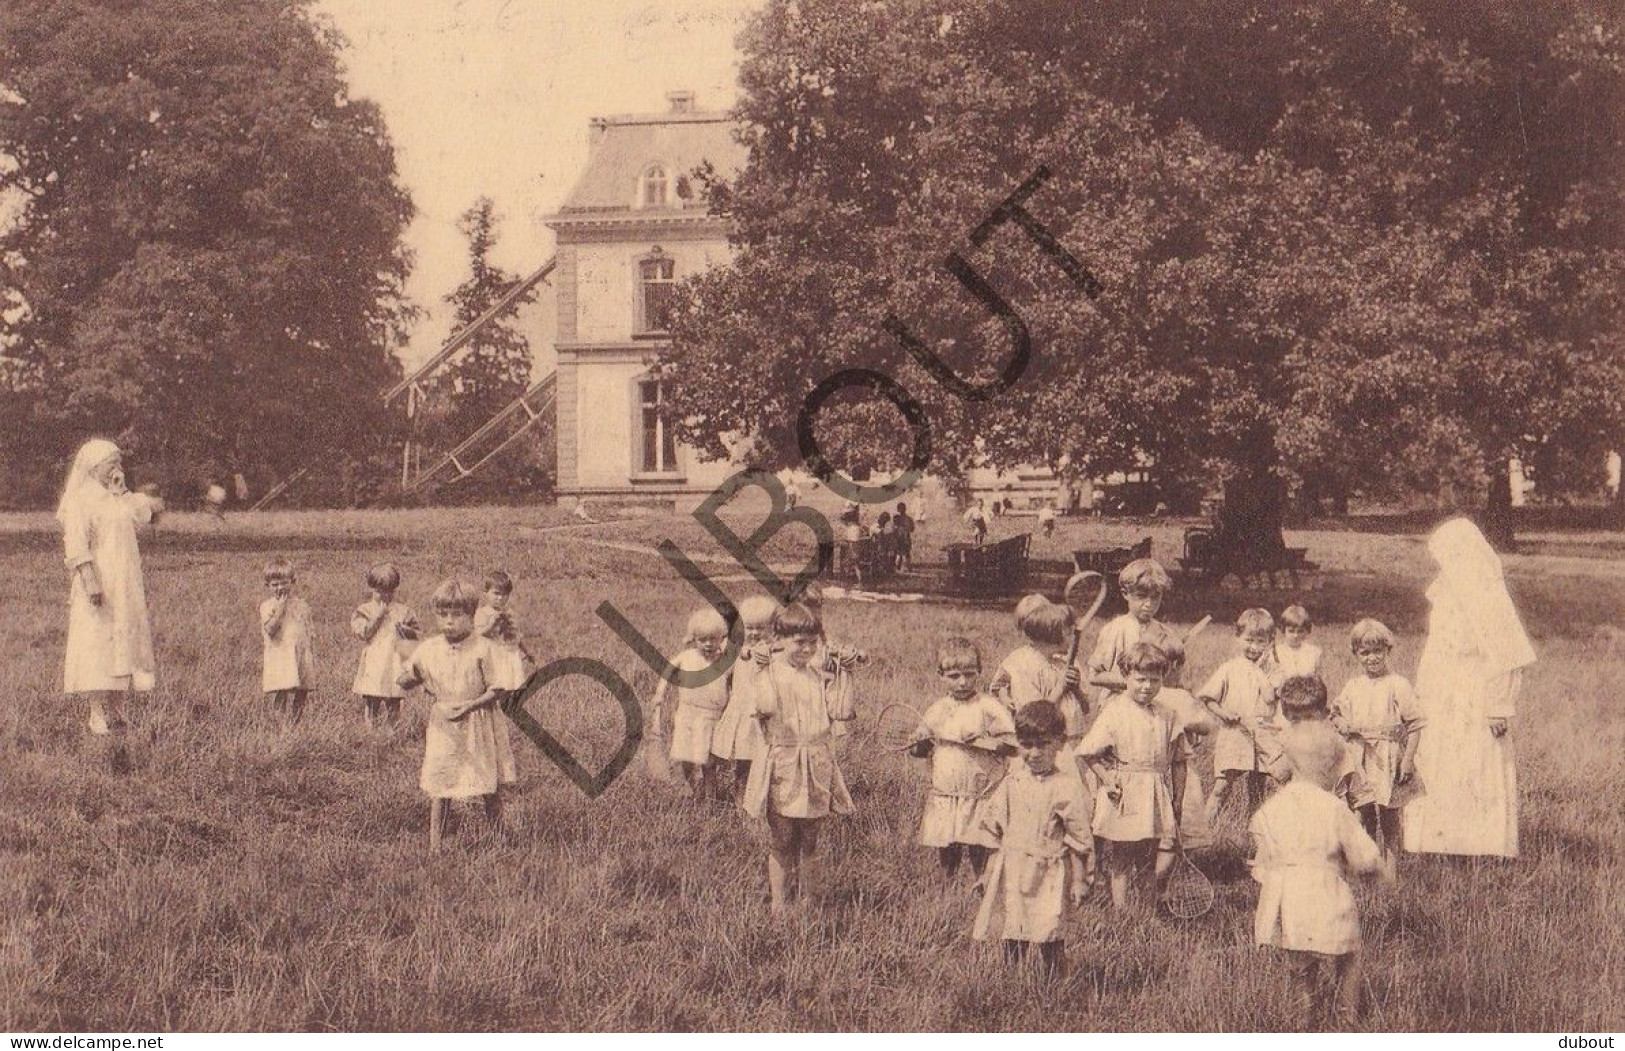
(1078, 587)
(1196, 629)
(895, 727)
(1189, 893)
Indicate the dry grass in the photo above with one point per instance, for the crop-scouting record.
(244, 878)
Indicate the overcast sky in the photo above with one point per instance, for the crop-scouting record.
(493, 97)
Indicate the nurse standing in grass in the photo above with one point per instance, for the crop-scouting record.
(1467, 685)
(109, 649)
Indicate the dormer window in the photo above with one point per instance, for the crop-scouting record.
(654, 189)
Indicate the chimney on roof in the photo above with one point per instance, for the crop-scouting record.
(681, 101)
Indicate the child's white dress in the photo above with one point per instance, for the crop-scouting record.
(962, 774)
(796, 775)
(378, 670)
(287, 660)
(1241, 689)
(505, 652)
(1377, 714)
(1141, 740)
(698, 710)
(1034, 821)
(1306, 838)
(469, 756)
(738, 734)
(1027, 675)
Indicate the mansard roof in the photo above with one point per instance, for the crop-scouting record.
(624, 147)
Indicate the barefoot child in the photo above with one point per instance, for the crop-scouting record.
(738, 737)
(1240, 695)
(494, 621)
(796, 783)
(1129, 750)
(1031, 674)
(289, 669)
(1039, 820)
(698, 708)
(1305, 841)
(466, 753)
(382, 624)
(965, 735)
(1377, 711)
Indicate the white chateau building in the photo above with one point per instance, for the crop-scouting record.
(634, 224)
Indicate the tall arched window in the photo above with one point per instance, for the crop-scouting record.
(654, 189)
(656, 275)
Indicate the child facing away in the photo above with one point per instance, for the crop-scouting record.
(1038, 819)
(696, 710)
(903, 524)
(494, 621)
(738, 739)
(1242, 697)
(1302, 701)
(1378, 713)
(1129, 750)
(796, 783)
(466, 752)
(1031, 672)
(1294, 654)
(966, 735)
(382, 624)
(1144, 584)
(288, 669)
(1305, 843)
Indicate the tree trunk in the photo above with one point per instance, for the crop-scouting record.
(1498, 508)
(1253, 514)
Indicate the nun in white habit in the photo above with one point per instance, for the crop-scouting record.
(109, 646)
(1467, 683)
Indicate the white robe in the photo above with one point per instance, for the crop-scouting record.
(1470, 672)
(109, 646)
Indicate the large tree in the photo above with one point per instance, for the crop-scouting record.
(208, 262)
(1363, 245)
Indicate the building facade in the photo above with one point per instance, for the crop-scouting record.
(633, 225)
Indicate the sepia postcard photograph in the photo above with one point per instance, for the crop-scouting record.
(811, 516)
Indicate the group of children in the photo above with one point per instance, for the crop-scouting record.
(1039, 798)
(472, 663)
(893, 534)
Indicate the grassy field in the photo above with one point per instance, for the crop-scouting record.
(241, 877)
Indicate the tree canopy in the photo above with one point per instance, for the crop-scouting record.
(208, 263)
(1364, 246)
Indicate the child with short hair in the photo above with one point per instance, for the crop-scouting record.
(382, 624)
(976, 521)
(466, 752)
(1144, 584)
(965, 735)
(1046, 518)
(1038, 818)
(288, 668)
(1302, 702)
(1031, 673)
(903, 525)
(1242, 697)
(1379, 714)
(1129, 749)
(1294, 654)
(494, 621)
(1189, 713)
(1305, 843)
(796, 783)
(738, 737)
(837, 660)
(698, 709)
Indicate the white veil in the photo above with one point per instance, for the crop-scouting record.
(89, 455)
(1470, 572)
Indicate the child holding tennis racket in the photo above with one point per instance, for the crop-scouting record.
(698, 709)
(796, 784)
(1129, 750)
(1144, 584)
(1038, 818)
(738, 736)
(965, 735)
(1242, 697)
(1378, 713)
(1031, 672)
(1306, 842)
